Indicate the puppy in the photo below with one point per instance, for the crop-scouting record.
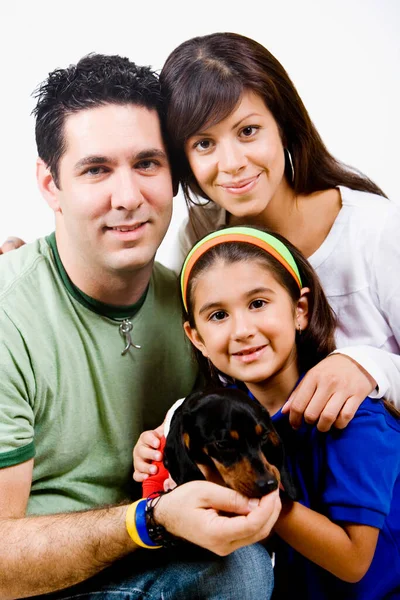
(224, 436)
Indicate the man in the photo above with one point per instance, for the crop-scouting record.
(92, 352)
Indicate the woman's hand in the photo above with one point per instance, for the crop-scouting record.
(330, 393)
(145, 452)
(11, 243)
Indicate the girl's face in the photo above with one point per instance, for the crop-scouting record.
(239, 163)
(246, 322)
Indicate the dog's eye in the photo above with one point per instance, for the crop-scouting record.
(223, 445)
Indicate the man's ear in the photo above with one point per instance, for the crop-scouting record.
(302, 309)
(194, 337)
(47, 185)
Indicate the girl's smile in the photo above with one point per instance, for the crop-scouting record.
(249, 354)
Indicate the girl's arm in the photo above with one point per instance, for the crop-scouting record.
(352, 476)
(345, 551)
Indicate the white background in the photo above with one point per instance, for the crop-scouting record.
(343, 56)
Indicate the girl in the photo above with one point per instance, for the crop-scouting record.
(242, 140)
(257, 314)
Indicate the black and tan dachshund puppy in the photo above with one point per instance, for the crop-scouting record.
(224, 436)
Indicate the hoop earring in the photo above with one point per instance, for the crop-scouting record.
(289, 158)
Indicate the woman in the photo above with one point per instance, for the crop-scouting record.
(242, 140)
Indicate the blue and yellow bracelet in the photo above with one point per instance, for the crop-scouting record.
(136, 525)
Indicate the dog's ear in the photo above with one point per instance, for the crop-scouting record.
(176, 453)
(287, 483)
(275, 453)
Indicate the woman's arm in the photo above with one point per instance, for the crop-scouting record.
(382, 366)
(345, 551)
(331, 393)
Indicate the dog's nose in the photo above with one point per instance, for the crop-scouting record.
(266, 485)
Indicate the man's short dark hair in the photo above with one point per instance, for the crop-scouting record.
(94, 81)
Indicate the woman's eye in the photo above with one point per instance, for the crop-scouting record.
(257, 304)
(249, 131)
(218, 316)
(203, 145)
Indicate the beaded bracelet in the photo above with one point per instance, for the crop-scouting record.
(157, 533)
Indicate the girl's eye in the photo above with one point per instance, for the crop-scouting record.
(219, 315)
(249, 131)
(257, 303)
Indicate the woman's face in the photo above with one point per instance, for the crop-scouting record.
(239, 163)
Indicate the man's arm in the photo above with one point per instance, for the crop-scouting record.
(47, 553)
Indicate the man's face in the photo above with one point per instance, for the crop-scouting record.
(114, 201)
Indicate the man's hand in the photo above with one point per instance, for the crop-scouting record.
(11, 243)
(330, 393)
(145, 452)
(196, 511)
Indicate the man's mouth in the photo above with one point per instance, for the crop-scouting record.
(126, 228)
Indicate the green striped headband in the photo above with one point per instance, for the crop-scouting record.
(249, 235)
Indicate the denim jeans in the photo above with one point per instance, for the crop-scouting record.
(189, 573)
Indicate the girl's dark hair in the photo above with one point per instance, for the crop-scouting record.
(203, 80)
(317, 340)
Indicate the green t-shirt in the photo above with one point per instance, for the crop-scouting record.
(67, 395)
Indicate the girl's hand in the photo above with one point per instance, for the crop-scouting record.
(330, 393)
(145, 452)
(11, 243)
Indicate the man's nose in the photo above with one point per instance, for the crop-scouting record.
(127, 193)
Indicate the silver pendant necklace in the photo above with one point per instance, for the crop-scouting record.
(125, 329)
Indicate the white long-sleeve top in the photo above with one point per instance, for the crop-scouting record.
(359, 267)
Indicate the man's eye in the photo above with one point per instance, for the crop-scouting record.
(94, 171)
(146, 165)
(219, 315)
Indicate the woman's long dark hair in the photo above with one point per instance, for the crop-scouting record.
(317, 340)
(203, 80)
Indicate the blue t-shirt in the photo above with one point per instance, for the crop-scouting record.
(348, 475)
